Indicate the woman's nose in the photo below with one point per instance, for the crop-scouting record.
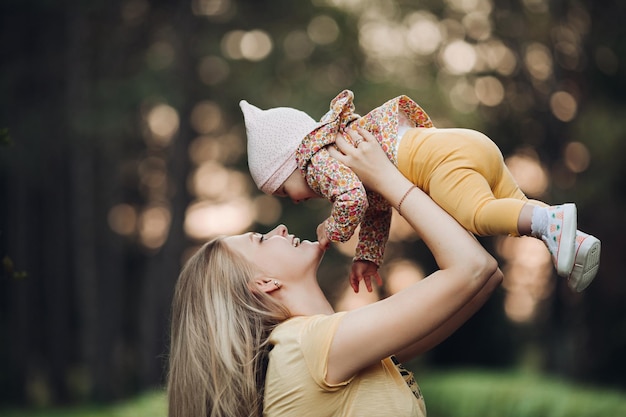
(280, 230)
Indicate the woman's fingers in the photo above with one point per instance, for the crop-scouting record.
(363, 134)
(342, 143)
(356, 137)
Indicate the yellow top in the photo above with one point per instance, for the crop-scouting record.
(295, 384)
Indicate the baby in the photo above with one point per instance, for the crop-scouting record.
(461, 169)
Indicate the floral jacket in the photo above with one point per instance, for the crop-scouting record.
(351, 204)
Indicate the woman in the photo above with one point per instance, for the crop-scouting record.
(253, 334)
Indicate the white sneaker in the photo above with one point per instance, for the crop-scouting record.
(560, 237)
(587, 261)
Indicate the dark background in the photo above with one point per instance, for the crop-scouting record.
(109, 108)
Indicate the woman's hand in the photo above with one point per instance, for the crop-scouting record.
(367, 159)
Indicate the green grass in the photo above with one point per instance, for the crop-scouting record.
(151, 404)
(490, 394)
(459, 393)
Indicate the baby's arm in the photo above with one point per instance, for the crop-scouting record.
(336, 182)
(372, 240)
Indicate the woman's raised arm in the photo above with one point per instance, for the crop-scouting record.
(428, 311)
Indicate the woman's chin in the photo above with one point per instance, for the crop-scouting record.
(309, 243)
(315, 245)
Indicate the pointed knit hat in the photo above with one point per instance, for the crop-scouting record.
(274, 135)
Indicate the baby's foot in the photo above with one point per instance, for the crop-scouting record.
(587, 261)
(560, 236)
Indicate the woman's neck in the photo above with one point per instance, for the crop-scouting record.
(306, 300)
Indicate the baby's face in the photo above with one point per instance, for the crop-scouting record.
(296, 188)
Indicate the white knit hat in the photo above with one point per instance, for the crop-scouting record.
(274, 135)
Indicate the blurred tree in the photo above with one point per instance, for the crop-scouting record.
(126, 131)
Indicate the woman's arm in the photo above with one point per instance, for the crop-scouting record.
(451, 325)
(428, 311)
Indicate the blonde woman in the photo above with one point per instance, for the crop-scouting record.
(253, 334)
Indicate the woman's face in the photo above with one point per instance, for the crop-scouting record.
(277, 253)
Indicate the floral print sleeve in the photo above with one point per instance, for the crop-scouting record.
(374, 232)
(337, 183)
(351, 206)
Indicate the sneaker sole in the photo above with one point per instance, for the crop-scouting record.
(586, 264)
(565, 256)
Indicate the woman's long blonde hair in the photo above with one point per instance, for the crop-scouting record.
(219, 332)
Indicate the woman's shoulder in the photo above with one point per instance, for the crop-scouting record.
(296, 326)
(313, 320)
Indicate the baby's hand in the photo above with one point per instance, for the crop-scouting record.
(322, 238)
(364, 270)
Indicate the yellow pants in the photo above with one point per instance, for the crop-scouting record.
(464, 172)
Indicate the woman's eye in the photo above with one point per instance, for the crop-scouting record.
(261, 238)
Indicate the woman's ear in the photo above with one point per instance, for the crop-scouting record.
(266, 285)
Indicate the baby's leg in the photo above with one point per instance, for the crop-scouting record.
(464, 172)
(474, 185)
(466, 194)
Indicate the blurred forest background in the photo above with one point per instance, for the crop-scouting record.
(122, 148)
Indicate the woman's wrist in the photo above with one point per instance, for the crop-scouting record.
(399, 206)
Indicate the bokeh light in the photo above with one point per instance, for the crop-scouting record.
(563, 106)
(401, 274)
(204, 220)
(494, 55)
(477, 25)
(382, 39)
(489, 91)
(531, 177)
(538, 61)
(231, 44)
(153, 225)
(577, 157)
(323, 30)
(528, 278)
(349, 300)
(463, 96)
(225, 148)
(122, 219)
(458, 57)
(212, 180)
(424, 33)
(206, 117)
(255, 45)
(162, 121)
